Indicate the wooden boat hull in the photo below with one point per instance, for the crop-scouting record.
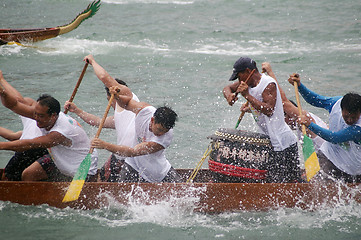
(40, 34)
(205, 196)
(28, 35)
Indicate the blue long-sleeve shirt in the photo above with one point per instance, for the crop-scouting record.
(351, 133)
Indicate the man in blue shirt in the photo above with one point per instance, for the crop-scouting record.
(340, 155)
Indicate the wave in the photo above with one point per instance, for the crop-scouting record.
(210, 46)
(148, 2)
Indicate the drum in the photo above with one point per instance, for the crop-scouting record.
(239, 156)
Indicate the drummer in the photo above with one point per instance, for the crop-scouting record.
(263, 95)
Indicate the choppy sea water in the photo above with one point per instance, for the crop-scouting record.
(181, 53)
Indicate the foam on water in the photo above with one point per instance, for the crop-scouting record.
(65, 46)
(148, 2)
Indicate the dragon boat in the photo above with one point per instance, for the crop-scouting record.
(8, 36)
(202, 195)
(235, 181)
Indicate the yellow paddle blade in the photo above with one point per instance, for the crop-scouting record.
(312, 166)
(74, 191)
(78, 181)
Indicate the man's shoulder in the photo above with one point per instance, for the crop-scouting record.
(147, 110)
(267, 78)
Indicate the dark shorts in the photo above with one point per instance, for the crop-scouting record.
(331, 170)
(110, 171)
(22, 160)
(54, 174)
(284, 166)
(129, 174)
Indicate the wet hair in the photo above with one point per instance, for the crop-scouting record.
(165, 116)
(351, 102)
(50, 102)
(121, 82)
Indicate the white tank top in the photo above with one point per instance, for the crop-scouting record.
(68, 159)
(345, 156)
(30, 128)
(124, 121)
(275, 127)
(152, 167)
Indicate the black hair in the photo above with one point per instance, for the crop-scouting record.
(165, 116)
(351, 102)
(121, 82)
(50, 102)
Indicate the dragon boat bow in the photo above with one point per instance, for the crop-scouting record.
(40, 34)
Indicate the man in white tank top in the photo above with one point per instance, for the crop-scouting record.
(65, 139)
(146, 161)
(292, 113)
(21, 160)
(122, 121)
(263, 95)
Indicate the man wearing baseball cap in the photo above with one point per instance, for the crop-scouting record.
(265, 103)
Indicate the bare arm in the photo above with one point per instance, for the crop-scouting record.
(10, 135)
(229, 93)
(88, 117)
(143, 148)
(104, 76)
(50, 140)
(266, 67)
(125, 101)
(24, 107)
(13, 92)
(269, 96)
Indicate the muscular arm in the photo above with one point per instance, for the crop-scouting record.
(351, 133)
(140, 149)
(125, 101)
(105, 77)
(266, 67)
(229, 93)
(50, 140)
(269, 96)
(18, 107)
(5, 86)
(9, 135)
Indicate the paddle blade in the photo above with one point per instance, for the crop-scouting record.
(312, 165)
(77, 183)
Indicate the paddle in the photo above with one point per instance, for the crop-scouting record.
(79, 178)
(312, 166)
(77, 85)
(242, 113)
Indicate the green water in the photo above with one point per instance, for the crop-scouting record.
(180, 53)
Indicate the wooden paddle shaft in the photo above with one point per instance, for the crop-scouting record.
(103, 120)
(247, 103)
(299, 105)
(77, 85)
(249, 76)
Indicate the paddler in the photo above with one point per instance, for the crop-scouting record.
(291, 112)
(340, 155)
(122, 121)
(263, 96)
(66, 140)
(22, 159)
(146, 161)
